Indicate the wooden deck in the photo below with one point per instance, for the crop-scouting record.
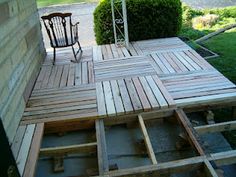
(152, 75)
(153, 79)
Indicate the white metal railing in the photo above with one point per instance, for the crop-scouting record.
(120, 26)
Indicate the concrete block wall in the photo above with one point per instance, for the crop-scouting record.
(21, 54)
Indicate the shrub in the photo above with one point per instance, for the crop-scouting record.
(189, 13)
(146, 19)
(207, 20)
(227, 12)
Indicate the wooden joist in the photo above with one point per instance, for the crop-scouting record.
(147, 140)
(103, 164)
(192, 134)
(178, 166)
(217, 127)
(62, 150)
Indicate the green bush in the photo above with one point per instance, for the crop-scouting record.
(189, 13)
(146, 19)
(227, 12)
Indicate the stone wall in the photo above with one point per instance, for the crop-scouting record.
(21, 54)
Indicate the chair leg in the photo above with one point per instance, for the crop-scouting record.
(74, 53)
(80, 50)
(79, 46)
(54, 56)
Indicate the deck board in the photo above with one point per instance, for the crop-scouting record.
(110, 81)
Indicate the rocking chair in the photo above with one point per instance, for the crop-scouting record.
(62, 33)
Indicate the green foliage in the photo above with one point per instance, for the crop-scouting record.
(227, 12)
(146, 19)
(189, 13)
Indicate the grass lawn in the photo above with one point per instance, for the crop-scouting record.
(44, 3)
(224, 45)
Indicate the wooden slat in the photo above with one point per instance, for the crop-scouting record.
(143, 98)
(78, 73)
(125, 96)
(71, 77)
(48, 72)
(109, 100)
(100, 99)
(90, 72)
(15, 147)
(117, 97)
(149, 93)
(52, 77)
(159, 97)
(24, 150)
(164, 91)
(84, 73)
(147, 140)
(64, 76)
(31, 163)
(133, 95)
(114, 51)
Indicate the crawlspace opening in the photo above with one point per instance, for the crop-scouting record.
(76, 164)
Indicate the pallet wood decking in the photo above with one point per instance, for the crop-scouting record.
(113, 84)
(150, 75)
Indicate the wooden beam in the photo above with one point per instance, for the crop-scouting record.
(32, 159)
(162, 168)
(209, 170)
(218, 127)
(147, 140)
(191, 132)
(122, 119)
(223, 158)
(103, 164)
(81, 148)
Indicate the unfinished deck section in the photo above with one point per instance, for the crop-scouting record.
(151, 79)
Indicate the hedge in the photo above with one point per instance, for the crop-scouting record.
(146, 19)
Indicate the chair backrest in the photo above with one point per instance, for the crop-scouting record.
(59, 29)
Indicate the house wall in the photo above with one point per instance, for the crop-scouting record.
(21, 54)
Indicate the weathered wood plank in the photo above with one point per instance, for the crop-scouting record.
(147, 140)
(32, 159)
(25, 146)
(63, 150)
(103, 164)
